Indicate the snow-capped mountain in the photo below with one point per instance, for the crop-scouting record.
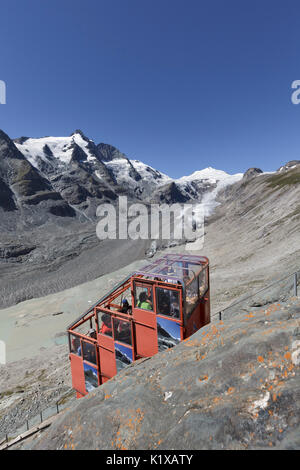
(54, 156)
(206, 184)
(201, 186)
(135, 175)
(61, 148)
(77, 175)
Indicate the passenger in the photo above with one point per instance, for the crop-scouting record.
(92, 333)
(106, 328)
(144, 301)
(164, 304)
(76, 345)
(171, 272)
(123, 332)
(89, 352)
(125, 306)
(175, 308)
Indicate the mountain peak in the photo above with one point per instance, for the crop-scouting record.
(4, 136)
(79, 132)
(251, 172)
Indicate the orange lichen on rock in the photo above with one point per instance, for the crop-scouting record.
(203, 378)
(216, 399)
(287, 355)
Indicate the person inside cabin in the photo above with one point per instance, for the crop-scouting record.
(174, 307)
(106, 328)
(144, 301)
(126, 308)
(92, 333)
(171, 272)
(76, 345)
(89, 352)
(123, 332)
(163, 300)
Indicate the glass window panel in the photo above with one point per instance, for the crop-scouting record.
(144, 297)
(124, 302)
(167, 302)
(106, 325)
(122, 331)
(124, 356)
(191, 270)
(203, 282)
(168, 333)
(75, 345)
(89, 352)
(191, 296)
(91, 377)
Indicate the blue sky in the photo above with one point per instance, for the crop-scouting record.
(178, 84)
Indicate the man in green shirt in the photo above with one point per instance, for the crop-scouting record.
(144, 301)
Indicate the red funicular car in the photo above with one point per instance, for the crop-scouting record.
(152, 310)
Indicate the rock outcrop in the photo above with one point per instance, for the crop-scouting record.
(289, 165)
(251, 172)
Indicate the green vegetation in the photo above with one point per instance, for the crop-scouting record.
(285, 179)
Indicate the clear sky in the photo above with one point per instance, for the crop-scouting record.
(178, 84)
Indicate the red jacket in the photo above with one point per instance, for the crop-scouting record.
(106, 330)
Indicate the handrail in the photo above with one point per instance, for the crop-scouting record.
(295, 274)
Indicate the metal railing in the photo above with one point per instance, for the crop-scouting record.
(35, 421)
(279, 290)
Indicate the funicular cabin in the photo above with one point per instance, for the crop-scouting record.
(151, 310)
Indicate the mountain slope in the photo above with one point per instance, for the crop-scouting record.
(255, 224)
(26, 197)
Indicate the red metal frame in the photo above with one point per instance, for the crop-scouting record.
(150, 331)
